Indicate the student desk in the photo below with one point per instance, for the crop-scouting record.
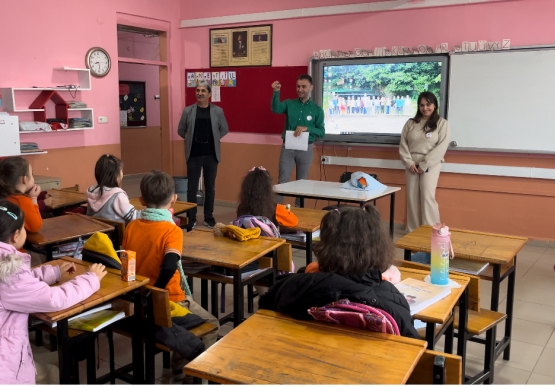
(111, 287)
(202, 246)
(499, 250)
(309, 222)
(442, 312)
(62, 199)
(327, 190)
(178, 208)
(271, 348)
(65, 228)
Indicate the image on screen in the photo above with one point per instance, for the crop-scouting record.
(376, 97)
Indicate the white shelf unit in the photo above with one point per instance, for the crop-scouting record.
(84, 79)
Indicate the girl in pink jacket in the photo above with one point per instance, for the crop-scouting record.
(24, 290)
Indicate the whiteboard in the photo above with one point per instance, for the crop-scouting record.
(503, 100)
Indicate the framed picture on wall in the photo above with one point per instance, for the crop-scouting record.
(241, 46)
(132, 102)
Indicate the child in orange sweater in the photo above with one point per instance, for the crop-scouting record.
(257, 199)
(17, 185)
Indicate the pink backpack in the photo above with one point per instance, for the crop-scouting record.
(356, 315)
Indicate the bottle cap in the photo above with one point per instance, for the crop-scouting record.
(441, 231)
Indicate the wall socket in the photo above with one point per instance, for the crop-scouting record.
(102, 119)
(325, 160)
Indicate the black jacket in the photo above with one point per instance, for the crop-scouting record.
(294, 294)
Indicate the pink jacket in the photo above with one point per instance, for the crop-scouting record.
(22, 291)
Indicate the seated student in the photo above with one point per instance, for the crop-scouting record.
(23, 291)
(106, 199)
(257, 199)
(353, 252)
(158, 243)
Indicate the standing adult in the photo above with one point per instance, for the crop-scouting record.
(202, 125)
(424, 141)
(302, 115)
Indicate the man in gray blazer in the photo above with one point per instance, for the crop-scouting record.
(202, 125)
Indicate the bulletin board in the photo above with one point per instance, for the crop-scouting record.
(132, 100)
(247, 106)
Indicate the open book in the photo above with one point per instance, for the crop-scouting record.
(86, 313)
(96, 321)
(420, 294)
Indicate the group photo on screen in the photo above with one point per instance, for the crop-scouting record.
(376, 98)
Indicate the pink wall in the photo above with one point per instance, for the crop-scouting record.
(150, 75)
(39, 36)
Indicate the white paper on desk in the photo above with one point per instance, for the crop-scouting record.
(296, 143)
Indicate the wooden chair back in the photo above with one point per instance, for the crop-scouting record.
(160, 305)
(119, 230)
(285, 258)
(423, 373)
(473, 286)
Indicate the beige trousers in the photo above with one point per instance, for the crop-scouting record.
(422, 207)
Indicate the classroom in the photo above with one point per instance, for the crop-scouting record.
(43, 38)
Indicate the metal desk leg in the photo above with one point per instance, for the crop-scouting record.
(496, 283)
(392, 214)
(407, 255)
(509, 310)
(64, 353)
(308, 244)
(214, 298)
(49, 252)
(238, 302)
(301, 201)
(463, 322)
(137, 342)
(204, 293)
(430, 335)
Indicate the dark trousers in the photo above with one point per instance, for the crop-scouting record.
(209, 165)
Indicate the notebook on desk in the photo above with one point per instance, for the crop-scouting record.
(467, 266)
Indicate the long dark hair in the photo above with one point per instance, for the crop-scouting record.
(11, 169)
(354, 240)
(431, 125)
(107, 171)
(257, 195)
(11, 220)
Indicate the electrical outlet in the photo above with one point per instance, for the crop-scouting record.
(325, 160)
(102, 119)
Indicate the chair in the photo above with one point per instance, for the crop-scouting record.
(156, 312)
(437, 368)
(117, 235)
(480, 321)
(345, 176)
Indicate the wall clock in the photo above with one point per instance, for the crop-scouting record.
(98, 61)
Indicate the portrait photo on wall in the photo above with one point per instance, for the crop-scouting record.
(260, 38)
(239, 44)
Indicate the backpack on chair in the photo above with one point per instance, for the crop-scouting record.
(266, 226)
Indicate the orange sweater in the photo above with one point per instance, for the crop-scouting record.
(33, 220)
(152, 241)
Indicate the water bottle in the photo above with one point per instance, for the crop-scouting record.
(441, 247)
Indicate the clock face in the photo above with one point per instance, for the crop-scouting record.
(98, 61)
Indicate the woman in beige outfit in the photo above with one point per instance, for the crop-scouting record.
(424, 141)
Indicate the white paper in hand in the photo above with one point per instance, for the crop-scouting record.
(296, 143)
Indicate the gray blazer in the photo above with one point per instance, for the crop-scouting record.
(186, 127)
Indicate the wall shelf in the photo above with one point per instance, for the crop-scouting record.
(53, 131)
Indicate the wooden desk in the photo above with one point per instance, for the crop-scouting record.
(65, 228)
(442, 312)
(111, 287)
(499, 250)
(271, 348)
(327, 190)
(178, 208)
(62, 199)
(202, 246)
(309, 222)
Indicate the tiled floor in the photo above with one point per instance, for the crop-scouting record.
(533, 348)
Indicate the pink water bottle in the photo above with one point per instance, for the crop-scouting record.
(441, 247)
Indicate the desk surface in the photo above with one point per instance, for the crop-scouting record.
(66, 227)
(111, 287)
(272, 348)
(440, 311)
(202, 246)
(178, 207)
(309, 219)
(61, 199)
(330, 190)
(479, 246)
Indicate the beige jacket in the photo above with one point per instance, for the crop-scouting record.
(414, 141)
